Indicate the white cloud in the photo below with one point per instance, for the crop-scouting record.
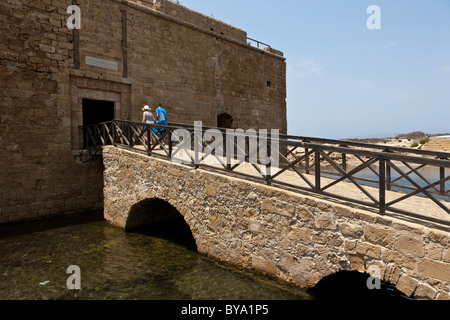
(444, 69)
(307, 67)
(411, 95)
(364, 83)
(384, 46)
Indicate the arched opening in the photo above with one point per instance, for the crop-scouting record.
(160, 219)
(354, 285)
(225, 120)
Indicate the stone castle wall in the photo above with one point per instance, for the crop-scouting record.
(39, 174)
(144, 53)
(294, 237)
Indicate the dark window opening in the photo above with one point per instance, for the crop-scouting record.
(225, 120)
(94, 112)
(269, 83)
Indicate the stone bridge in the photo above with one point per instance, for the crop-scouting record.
(295, 237)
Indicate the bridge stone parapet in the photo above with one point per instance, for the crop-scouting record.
(297, 238)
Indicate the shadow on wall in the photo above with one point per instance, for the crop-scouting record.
(352, 286)
(158, 218)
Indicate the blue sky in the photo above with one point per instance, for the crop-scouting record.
(345, 80)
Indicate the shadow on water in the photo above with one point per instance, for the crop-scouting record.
(50, 223)
(354, 286)
(176, 231)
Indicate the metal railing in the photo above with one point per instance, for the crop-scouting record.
(387, 178)
(257, 43)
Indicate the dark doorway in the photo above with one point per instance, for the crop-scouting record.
(95, 111)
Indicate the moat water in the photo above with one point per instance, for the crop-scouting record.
(158, 263)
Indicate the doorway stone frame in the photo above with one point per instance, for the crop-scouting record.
(84, 87)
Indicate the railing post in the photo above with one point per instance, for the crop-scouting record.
(344, 159)
(317, 170)
(113, 129)
(198, 146)
(228, 151)
(128, 135)
(170, 143)
(382, 186)
(344, 162)
(268, 174)
(269, 164)
(104, 132)
(149, 142)
(441, 177)
(307, 161)
(388, 176)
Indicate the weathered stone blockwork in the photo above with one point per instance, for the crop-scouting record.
(297, 238)
(165, 53)
(39, 174)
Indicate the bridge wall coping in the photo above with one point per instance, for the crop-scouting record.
(295, 237)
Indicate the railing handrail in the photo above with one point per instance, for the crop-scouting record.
(132, 134)
(259, 42)
(439, 154)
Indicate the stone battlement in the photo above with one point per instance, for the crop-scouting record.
(195, 18)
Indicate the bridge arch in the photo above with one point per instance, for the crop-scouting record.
(355, 285)
(163, 217)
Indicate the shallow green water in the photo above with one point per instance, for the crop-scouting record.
(157, 264)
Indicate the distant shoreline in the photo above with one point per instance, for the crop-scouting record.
(406, 140)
